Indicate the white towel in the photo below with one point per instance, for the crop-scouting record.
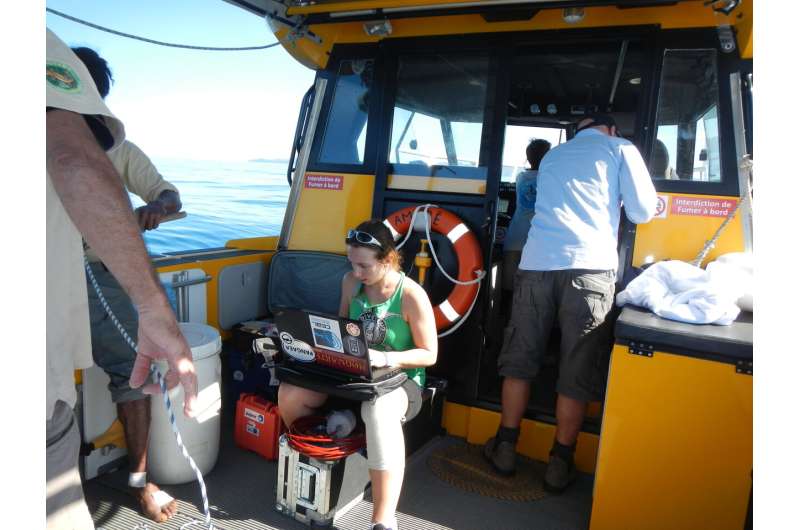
(736, 268)
(679, 291)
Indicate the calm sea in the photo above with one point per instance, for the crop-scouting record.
(223, 200)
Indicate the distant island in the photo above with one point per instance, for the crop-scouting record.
(270, 160)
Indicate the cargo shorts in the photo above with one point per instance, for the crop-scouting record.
(579, 301)
(109, 350)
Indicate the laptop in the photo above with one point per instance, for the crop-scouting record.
(330, 346)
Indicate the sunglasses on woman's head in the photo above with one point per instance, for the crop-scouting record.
(364, 238)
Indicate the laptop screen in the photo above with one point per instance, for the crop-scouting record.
(336, 343)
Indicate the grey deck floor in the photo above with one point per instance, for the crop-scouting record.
(241, 491)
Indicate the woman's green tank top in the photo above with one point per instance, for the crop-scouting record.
(384, 326)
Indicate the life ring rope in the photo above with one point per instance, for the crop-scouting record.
(453, 235)
(465, 317)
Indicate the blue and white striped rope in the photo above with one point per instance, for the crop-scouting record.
(167, 403)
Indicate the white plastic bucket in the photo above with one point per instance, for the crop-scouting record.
(165, 463)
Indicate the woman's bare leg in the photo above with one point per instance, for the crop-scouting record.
(295, 402)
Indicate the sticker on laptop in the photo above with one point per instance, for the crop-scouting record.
(296, 348)
(353, 346)
(326, 333)
(352, 329)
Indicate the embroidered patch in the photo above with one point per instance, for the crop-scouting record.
(63, 77)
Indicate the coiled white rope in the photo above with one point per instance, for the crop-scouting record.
(480, 274)
(167, 403)
(464, 318)
(425, 208)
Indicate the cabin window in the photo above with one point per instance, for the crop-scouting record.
(437, 123)
(346, 130)
(687, 139)
(517, 138)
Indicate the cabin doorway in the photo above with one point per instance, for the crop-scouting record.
(549, 90)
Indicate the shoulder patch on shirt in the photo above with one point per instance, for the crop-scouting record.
(63, 77)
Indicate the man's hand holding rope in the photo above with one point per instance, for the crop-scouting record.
(161, 338)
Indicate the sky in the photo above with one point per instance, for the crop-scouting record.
(199, 105)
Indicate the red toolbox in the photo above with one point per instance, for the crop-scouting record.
(258, 425)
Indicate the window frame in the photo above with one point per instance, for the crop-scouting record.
(331, 73)
(697, 39)
(479, 172)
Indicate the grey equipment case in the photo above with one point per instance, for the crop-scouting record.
(317, 492)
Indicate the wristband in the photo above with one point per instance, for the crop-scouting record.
(377, 358)
(391, 359)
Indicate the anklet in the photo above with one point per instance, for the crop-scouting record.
(137, 480)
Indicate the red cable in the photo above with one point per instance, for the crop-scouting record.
(306, 437)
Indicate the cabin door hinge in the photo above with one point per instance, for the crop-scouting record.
(640, 348)
(744, 367)
(727, 40)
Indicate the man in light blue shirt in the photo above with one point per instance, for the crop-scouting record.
(566, 276)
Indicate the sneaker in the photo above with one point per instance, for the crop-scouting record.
(502, 456)
(559, 474)
(380, 526)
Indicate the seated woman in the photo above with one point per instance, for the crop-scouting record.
(401, 331)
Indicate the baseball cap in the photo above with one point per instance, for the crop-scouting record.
(597, 119)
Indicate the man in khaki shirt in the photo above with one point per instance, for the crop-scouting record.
(85, 197)
(109, 350)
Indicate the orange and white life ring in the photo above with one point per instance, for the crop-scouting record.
(467, 249)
